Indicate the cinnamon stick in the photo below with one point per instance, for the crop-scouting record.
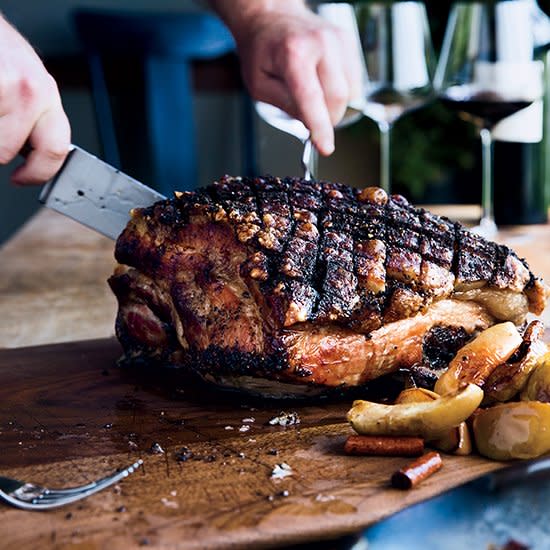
(384, 445)
(414, 473)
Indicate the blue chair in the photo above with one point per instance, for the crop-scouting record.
(163, 46)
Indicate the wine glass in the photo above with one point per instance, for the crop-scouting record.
(282, 121)
(342, 15)
(487, 72)
(399, 60)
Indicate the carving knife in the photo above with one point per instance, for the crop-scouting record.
(95, 194)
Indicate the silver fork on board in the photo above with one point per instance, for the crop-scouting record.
(35, 497)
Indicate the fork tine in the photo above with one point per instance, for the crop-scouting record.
(81, 488)
(76, 493)
(70, 490)
(59, 497)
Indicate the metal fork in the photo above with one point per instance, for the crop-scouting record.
(29, 496)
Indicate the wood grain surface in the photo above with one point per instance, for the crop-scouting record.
(53, 286)
(69, 415)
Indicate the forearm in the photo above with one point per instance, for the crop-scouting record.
(238, 14)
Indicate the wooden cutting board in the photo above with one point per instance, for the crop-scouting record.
(68, 415)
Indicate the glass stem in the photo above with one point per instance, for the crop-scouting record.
(385, 159)
(487, 215)
(310, 158)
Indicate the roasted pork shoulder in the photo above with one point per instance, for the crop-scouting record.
(285, 286)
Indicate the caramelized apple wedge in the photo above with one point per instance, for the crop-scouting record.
(475, 361)
(509, 378)
(430, 419)
(464, 446)
(538, 385)
(415, 395)
(457, 440)
(513, 430)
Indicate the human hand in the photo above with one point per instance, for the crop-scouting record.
(297, 61)
(30, 111)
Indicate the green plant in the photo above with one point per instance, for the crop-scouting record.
(431, 148)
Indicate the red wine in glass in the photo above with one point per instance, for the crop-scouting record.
(484, 108)
(487, 71)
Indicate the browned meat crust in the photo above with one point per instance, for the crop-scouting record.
(284, 279)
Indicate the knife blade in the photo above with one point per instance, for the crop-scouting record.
(95, 194)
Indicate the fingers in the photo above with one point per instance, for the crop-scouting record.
(14, 129)
(289, 80)
(30, 110)
(50, 140)
(318, 80)
(333, 78)
(270, 89)
(301, 77)
(300, 64)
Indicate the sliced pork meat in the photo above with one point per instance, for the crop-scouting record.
(272, 283)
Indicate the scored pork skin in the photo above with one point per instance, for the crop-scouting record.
(305, 282)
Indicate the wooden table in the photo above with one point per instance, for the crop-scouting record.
(68, 414)
(53, 287)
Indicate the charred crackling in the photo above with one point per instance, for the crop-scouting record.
(243, 276)
(441, 344)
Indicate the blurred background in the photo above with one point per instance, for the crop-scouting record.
(435, 154)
